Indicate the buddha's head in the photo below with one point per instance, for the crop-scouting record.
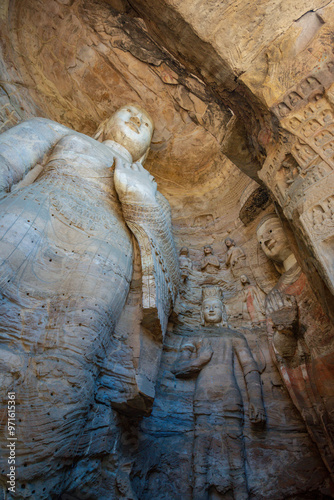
(212, 306)
(212, 310)
(131, 127)
(272, 239)
(274, 243)
(184, 251)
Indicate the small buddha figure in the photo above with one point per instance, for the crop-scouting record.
(185, 263)
(209, 263)
(234, 253)
(330, 204)
(318, 218)
(253, 299)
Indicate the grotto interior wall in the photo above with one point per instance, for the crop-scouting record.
(225, 143)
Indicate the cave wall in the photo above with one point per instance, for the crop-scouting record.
(225, 84)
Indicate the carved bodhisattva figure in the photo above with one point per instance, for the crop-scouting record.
(297, 330)
(234, 253)
(218, 453)
(66, 247)
(209, 263)
(185, 263)
(253, 300)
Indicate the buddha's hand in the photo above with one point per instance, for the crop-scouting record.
(276, 301)
(282, 310)
(256, 414)
(134, 184)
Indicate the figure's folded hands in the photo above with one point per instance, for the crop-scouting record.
(134, 184)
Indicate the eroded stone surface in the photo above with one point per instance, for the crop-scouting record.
(230, 85)
(66, 269)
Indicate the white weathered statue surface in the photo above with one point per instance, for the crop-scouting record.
(66, 267)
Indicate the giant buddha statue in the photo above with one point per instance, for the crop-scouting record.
(74, 213)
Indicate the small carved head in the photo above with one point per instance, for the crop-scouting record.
(244, 279)
(229, 242)
(208, 250)
(184, 251)
(188, 346)
(131, 127)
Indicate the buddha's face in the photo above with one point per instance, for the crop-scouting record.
(273, 241)
(131, 127)
(212, 310)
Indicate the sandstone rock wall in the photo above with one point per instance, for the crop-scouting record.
(241, 96)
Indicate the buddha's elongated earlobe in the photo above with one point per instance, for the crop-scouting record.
(143, 158)
(202, 319)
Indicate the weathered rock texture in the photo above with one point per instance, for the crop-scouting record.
(241, 96)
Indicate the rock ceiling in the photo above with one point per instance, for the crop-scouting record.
(79, 61)
(212, 92)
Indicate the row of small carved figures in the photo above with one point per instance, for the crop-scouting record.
(287, 177)
(323, 214)
(310, 89)
(233, 255)
(308, 178)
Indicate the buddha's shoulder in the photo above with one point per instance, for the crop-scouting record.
(83, 144)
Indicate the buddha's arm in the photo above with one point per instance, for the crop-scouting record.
(252, 379)
(25, 146)
(184, 368)
(147, 214)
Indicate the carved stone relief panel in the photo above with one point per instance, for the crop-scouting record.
(306, 112)
(218, 458)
